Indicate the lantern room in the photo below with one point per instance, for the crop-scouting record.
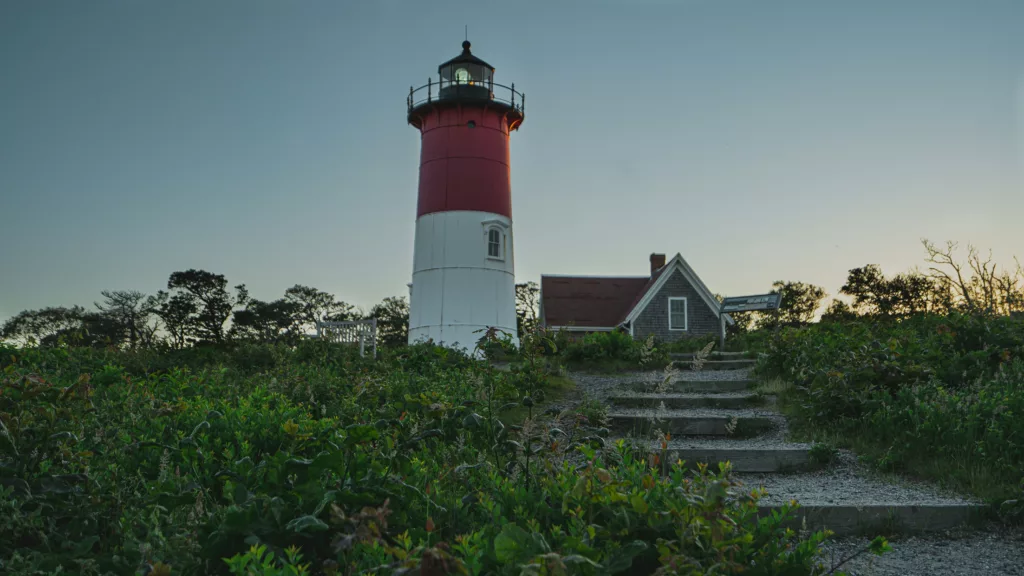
(465, 76)
(466, 80)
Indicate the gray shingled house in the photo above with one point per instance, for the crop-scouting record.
(672, 303)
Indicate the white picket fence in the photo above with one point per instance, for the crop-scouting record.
(362, 332)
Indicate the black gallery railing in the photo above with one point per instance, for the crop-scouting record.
(438, 91)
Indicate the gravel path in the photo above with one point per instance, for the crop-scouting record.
(993, 552)
(848, 482)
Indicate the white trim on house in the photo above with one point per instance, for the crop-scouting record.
(592, 276)
(678, 263)
(582, 328)
(686, 314)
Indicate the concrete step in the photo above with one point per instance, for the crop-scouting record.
(694, 386)
(696, 422)
(725, 400)
(848, 498)
(718, 364)
(759, 454)
(885, 519)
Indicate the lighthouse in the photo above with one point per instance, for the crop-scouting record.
(463, 277)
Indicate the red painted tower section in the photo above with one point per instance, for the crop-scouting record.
(464, 160)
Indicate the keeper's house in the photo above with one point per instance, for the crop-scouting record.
(672, 303)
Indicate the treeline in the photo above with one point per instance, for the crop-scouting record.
(196, 306)
(195, 309)
(973, 286)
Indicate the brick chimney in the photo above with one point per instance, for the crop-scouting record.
(657, 261)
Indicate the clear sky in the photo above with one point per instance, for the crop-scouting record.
(267, 140)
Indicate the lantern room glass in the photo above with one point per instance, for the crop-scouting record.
(466, 73)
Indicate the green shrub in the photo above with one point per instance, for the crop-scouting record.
(614, 348)
(753, 341)
(692, 344)
(822, 455)
(241, 460)
(940, 396)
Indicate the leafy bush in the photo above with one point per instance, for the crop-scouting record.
(692, 344)
(616, 346)
(753, 341)
(312, 460)
(940, 396)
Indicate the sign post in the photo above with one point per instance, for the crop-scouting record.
(745, 304)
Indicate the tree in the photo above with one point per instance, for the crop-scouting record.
(177, 312)
(392, 316)
(314, 306)
(127, 313)
(527, 300)
(977, 285)
(211, 303)
(47, 326)
(901, 296)
(838, 311)
(800, 301)
(266, 321)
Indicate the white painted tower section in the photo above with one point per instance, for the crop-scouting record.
(462, 282)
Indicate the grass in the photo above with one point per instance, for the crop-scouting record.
(773, 387)
(931, 397)
(611, 366)
(557, 389)
(964, 475)
(822, 455)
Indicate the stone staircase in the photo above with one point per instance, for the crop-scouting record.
(717, 415)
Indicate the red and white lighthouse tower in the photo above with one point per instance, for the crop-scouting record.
(463, 278)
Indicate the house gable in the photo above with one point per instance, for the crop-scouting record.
(676, 265)
(653, 319)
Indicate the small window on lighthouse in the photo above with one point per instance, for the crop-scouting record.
(494, 243)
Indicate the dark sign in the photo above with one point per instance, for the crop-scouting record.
(746, 303)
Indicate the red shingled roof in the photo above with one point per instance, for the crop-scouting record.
(587, 301)
(643, 292)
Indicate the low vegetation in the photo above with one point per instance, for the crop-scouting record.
(307, 459)
(200, 431)
(613, 350)
(938, 396)
(920, 373)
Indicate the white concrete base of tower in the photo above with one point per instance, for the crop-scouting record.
(463, 280)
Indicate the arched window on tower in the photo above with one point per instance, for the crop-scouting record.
(494, 249)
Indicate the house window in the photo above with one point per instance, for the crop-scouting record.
(677, 314)
(494, 243)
